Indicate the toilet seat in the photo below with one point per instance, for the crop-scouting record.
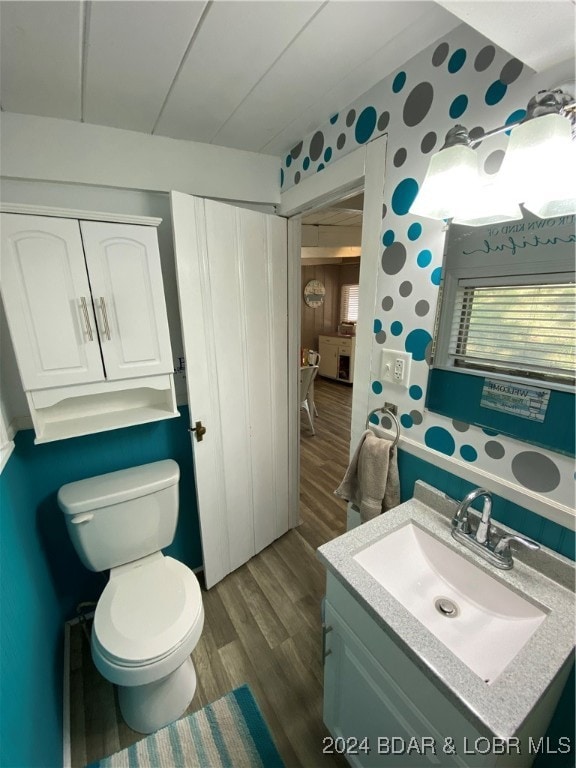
(147, 611)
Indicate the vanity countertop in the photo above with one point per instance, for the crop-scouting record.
(543, 577)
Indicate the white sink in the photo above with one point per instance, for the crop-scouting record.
(490, 624)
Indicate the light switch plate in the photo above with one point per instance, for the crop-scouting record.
(395, 367)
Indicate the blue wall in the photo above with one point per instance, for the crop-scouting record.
(42, 579)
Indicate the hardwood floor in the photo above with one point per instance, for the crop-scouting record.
(262, 623)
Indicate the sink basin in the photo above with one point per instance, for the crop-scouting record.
(483, 622)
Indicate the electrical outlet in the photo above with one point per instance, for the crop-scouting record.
(395, 367)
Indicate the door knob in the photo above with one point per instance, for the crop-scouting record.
(200, 431)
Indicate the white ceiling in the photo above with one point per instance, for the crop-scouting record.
(255, 75)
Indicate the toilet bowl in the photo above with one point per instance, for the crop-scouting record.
(150, 616)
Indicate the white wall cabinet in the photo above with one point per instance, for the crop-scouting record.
(337, 357)
(85, 307)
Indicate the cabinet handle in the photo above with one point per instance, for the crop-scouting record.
(86, 318)
(325, 652)
(105, 317)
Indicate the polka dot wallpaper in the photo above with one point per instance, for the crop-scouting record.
(462, 78)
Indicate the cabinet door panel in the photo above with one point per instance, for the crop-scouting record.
(47, 300)
(124, 266)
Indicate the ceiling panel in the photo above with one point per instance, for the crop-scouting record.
(237, 44)
(133, 53)
(424, 24)
(41, 57)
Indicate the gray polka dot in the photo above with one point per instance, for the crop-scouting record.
(494, 161)
(494, 449)
(350, 117)
(460, 426)
(416, 417)
(380, 337)
(386, 422)
(405, 288)
(535, 471)
(295, 151)
(387, 303)
(484, 58)
(400, 157)
(393, 258)
(383, 121)
(439, 55)
(511, 71)
(297, 177)
(418, 103)
(477, 132)
(341, 140)
(422, 308)
(428, 142)
(316, 145)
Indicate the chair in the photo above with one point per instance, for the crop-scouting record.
(314, 359)
(307, 375)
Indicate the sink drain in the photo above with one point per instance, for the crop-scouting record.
(446, 607)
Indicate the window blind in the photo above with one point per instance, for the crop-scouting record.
(349, 304)
(519, 329)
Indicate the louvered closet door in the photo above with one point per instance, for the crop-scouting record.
(124, 266)
(47, 300)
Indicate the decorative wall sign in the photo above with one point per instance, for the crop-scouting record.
(527, 402)
(314, 292)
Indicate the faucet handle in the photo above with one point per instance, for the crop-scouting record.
(503, 547)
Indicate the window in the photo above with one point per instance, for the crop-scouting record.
(515, 326)
(349, 304)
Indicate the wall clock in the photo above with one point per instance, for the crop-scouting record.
(314, 293)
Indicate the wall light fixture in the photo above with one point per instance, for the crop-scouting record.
(538, 170)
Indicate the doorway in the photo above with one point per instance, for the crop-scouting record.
(331, 239)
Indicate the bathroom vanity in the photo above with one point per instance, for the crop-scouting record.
(434, 657)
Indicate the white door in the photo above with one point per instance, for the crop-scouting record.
(124, 266)
(47, 300)
(231, 267)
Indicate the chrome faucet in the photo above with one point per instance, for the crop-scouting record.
(481, 540)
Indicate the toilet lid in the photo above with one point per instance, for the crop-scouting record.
(145, 612)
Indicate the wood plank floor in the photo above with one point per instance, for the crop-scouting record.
(262, 623)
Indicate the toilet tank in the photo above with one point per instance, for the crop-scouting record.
(122, 516)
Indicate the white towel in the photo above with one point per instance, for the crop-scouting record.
(371, 481)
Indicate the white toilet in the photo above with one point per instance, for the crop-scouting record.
(150, 615)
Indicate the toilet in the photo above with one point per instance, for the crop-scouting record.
(150, 614)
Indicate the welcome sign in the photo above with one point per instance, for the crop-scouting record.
(527, 402)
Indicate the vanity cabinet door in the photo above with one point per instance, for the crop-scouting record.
(47, 299)
(328, 348)
(124, 266)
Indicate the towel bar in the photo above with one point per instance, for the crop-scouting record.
(394, 419)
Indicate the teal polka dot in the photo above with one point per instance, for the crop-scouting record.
(377, 387)
(377, 326)
(399, 82)
(388, 237)
(396, 328)
(424, 258)
(306, 163)
(490, 432)
(416, 343)
(457, 60)
(415, 392)
(403, 196)
(439, 439)
(321, 167)
(334, 118)
(468, 453)
(458, 106)
(436, 276)
(406, 420)
(519, 114)
(288, 161)
(414, 231)
(365, 124)
(495, 93)
(327, 154)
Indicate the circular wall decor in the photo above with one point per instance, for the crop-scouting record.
(314, 293)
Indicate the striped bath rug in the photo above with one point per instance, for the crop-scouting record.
(230, 733)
